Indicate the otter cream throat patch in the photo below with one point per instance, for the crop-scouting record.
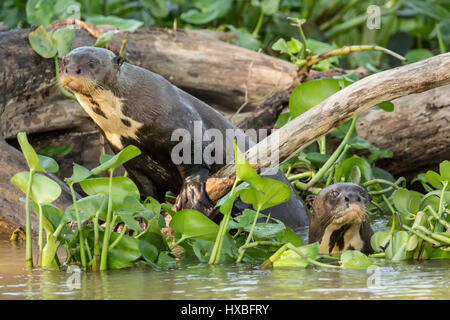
(106, 110)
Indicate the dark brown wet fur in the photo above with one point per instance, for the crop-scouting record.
(149, 99)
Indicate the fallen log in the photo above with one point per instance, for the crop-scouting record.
(330, 113)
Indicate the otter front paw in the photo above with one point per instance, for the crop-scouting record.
(193, 195)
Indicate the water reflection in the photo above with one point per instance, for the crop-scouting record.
(426, 280)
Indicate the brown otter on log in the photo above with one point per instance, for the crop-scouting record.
(340, 219)
(134, 106)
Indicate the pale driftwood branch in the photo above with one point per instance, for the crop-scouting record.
(342, 106)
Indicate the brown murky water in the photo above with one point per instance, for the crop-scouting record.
(412, 280)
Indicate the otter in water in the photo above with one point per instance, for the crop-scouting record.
(134, 106)
(339, 220)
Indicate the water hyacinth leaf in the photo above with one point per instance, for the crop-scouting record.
(281, 46)
(49, 255)
(124, 253)
(294, 46)
(379, 240)
(116, 161)
(122, 24)
(434, 179)
(290, 258)
(103, 40)
(48, 164)
(418, 55)
(28, 152)
(87, 208)
(153, 205)
(52, 216)
(269, 7)
(407, 202)
(157, 8)
(444, 170)
(121, 188)
(63, 39)
(355, 260)
(412, 243)
(396, 251)
(105, 157)
(194, 224)
(156, 239)
(309, 94)
(386, 106)
(80, 173)
(165, 260)
(39, 12)
(43, 189)
(226, 202)
(244, 38)
(290, 236)
(42, 43)
(55, 151)
(282, 120)
(244, 171)
(317, 159)
(202, 249)
(262, 229)
(207, 10)
(345, 170)
(273, 193)
(148, 251)
(129, 220)
(135, 207)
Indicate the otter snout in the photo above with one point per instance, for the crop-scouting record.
(70, 67)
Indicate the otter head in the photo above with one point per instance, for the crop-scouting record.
(341, 203)
(85, 69)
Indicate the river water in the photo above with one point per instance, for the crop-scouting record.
(405, 280)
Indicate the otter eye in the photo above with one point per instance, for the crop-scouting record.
(91, 64)
(335, 194)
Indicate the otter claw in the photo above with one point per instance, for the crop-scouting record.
(193, 195)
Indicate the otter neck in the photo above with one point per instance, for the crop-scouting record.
(338, 238)
(105, 109)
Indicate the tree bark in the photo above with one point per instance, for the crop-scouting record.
(330, 113)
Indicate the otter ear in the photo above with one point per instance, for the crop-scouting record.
(311, 199)
(118, 61)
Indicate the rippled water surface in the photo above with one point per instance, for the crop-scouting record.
(426, 280)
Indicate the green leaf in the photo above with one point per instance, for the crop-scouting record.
(269, 7)
(121, 188)
(280, 45)
(379, 240)
(444, 169)
(48, 164)
(344, 172)
(156, 239)
(418, 55)
(290, 258)
(355, 260)
(80, 173)
(317, 159)
(135, 207)
(122, 24)
(396, 251)
(207, 11)
(244, 171)
(123, 156)
(194, 224)
(386, 106)
(244, 38)
(28, 152)
(87, 208)
(294, 46)
(55, 151)
(272, 193)
(290, 236)
(407, 202)
(157, 8)
(434, 179)
(39, 12)
(63, 39)
(103, 40)
(42, 43)
(262, 229)
(311, 93)
(43, 189)
(226, 202)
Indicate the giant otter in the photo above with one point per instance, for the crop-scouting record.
(340, 219)
(135, 106)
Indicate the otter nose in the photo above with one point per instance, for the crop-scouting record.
(69, 66)
(352, 197)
